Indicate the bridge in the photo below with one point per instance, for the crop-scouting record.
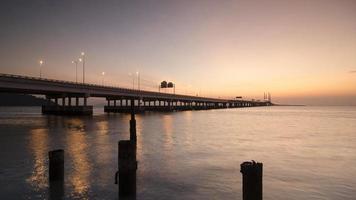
(70, 98)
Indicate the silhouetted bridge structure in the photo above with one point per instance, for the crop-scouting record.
(70, 98)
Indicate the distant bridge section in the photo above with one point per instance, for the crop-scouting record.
(70, 98)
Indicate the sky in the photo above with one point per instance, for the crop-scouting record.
(302, 52)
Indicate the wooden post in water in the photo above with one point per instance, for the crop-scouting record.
(56, 165)
(251, 180)
(127, 168)
(56, 174)
(133, 136)
(127, 162)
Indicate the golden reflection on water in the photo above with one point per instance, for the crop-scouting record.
(139, 127)
(102, 138)
(77, 149)
(167, 121)
(187, 131)
(169, 156)
(38, 144)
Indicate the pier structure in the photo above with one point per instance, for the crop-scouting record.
(71, 98)
(67, 104)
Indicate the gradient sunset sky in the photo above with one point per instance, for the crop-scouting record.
(301, 51)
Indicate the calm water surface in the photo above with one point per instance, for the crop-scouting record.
(308, 153)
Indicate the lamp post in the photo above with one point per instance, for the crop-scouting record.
(102, 80)
(138, 79)
(76, 70)
(83, 59)
(41, 63)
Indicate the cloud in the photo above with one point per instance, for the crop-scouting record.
(353, 71)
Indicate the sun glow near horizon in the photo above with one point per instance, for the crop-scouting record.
(292, 49)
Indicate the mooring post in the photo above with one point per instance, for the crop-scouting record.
(127, 165)
(56, 165)
(251, 180)
(133, 136)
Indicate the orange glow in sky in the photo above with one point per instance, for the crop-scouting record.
(302, 52)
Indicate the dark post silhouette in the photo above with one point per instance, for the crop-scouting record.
(56, 174)
(133, 136)
(127, 162)
(127, 168)
(251, 180)
(56, 165)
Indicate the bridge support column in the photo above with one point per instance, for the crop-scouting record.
(108, 101)
(48, 100)
(66, 109)
(115, 108)
(169, 105)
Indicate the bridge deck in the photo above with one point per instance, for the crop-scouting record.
(57, 89)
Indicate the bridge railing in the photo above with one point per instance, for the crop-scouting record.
(122, 89)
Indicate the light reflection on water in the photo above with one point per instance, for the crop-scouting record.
(167, 133)
(38, 145)
(308, 153)
(80, 167)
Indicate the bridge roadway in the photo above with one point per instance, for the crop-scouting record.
(61, 93)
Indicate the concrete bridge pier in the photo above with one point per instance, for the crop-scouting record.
(196, 105)
(66, 107)
(113, 106)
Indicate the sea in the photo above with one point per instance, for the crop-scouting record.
(307, 153)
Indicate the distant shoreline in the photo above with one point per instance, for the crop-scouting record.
(21, 100)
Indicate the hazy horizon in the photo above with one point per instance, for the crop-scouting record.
(302, 52)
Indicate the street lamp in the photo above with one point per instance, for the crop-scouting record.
(41, 63)
(76, 69)
(83, 59)
(102, 80)
(138, 79)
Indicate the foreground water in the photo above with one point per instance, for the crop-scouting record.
(308, 153)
